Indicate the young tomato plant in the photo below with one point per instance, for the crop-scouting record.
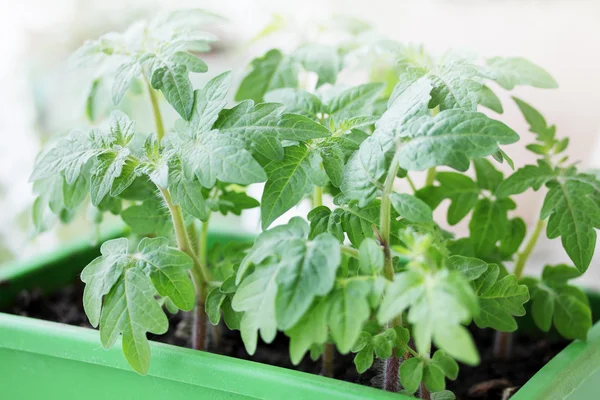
(375, 274)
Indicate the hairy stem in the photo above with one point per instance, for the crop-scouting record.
(160, 129)
(349, 251)
(430, 176)
(328, 359)
(200, 274)
(317, 196)
(200, 324)
(392, 364)
(411, 183)
(385, 222)
(424, 392)
(524, 255)
(328, 356)
(193, 237)
(503, 340)
(203, 245)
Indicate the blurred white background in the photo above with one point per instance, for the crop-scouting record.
(40, 97)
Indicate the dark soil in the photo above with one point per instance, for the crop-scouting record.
(490, 380)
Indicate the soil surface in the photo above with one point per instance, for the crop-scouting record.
(491, 380)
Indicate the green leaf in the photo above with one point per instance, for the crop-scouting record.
(125, 74)
(348, 311)
(411, 374)
(296, 101)
(471, 268)
(130, 309)
(364, 359)
(537, 122)
(91, 101)
(289, 272)
(271, 71)
(101, 275)
(530, 176)
(451, 138)
(300, 128)
(333, 163)
(455, 87)
(208, 103)
(370, 257)
(488, 177)
(446, 364)
(113, 173)
(514, 71)
(308, 270)
(289, 181)
(488, 225)
(554, 300)
(235, 202)
(311, 329)
(443, 395)
(573, 214)
(438, 302)
(187, 194)
(357, 222)
(411, 208)
(256, 126)
(367, 167)
(192, 63)
(73, 195)
(499, 300)
(168, 270)
(172, 80)
(357, 100)
(272, 241)
(255, 297)
(150, 217)
(433, 377)
(129, 283)
(213, 156)
(462, 191)
(68, 156)
(515, 234)
(214, 300)
(488, 99)
(321, 59)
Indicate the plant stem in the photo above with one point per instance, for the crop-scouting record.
(349, 251)
(391, 365)
(411, 183)
(503, 340)
(317, 196)
(203, 252)
(430, 176)
(424, 392)
(193, 237)
(385, 216)
(328, 357)
(160, 129)
(200, 274)
(524, 255)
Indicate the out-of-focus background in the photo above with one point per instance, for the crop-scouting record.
(42, 97)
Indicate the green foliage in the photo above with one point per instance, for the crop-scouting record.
(161, 51)
(556, 302)
(120, 293)
(373, 268)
